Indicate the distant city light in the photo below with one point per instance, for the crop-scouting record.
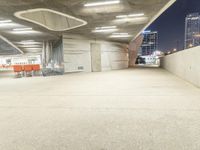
(146, 31)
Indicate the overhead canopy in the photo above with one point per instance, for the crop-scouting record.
(121, 20)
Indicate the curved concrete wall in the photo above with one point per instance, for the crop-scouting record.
(185, 64)
(82, 54)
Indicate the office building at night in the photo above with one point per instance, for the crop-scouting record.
(150, 43)
(192, 30)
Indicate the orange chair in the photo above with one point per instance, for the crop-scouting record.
(18, 70)
(36, 69)
(28, 70)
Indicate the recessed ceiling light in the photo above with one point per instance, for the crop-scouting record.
(104, 30)
(30, 46)
(22, 29)
(130, 15)
(136, 15)
(5, 21)
(106, 27)
(122, 16)
(29, 42)
(120, 35)
(102, 3)
(25, 32)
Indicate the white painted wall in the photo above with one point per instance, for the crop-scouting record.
(77, 53)
(185, 64)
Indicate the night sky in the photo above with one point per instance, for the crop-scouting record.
(171, 24)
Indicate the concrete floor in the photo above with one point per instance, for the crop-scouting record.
(135, 109)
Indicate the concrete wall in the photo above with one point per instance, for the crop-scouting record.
(95, 57)
(76, 53)
(134, 48)
(185, 64)
(78, 56)
(114, 56)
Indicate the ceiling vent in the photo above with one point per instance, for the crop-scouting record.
(51, 19)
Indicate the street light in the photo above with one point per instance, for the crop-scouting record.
(191, 45)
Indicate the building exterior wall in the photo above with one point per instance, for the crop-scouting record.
(192, 30)
(184, 64)
(149, 44)
(78, 57)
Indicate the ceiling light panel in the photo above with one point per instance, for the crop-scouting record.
(130, 15)
(122, 16)
(104, 30)
(136, 15)
(120, 35)
(30, 46)
(22, 29)
(110, 2)
(29, 42)
(106, 27)
(5, 21)
(31, 32)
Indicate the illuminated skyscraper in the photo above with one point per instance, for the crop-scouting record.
(192, 30)
(150, 43)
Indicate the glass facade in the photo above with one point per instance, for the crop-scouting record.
(192, 30)
(150, 43)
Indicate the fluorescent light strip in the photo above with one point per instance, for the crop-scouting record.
(104, 30)
(29, 42)
(22, 29)
(26, 32)
(5, 21)
(30, 46)
(106, 27)
(120, 35)
(136, 15)
(130, 15)
(122, 16)
(102, 3)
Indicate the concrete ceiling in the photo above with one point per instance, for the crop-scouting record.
(94, 16)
